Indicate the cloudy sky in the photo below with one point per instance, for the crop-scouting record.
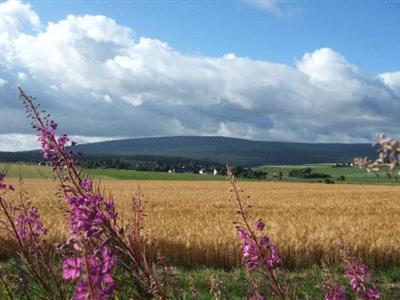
(265, 70)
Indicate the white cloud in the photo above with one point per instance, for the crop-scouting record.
(99, 81)
(271, 6)
(18, 142)
(14, 14)
(232, 129)
(3, 82)
(229, 56)
(16, 18)
(326, 65)
(134, 100)
(392, 79)
(22, 142)
(21, 76)
(107, 98)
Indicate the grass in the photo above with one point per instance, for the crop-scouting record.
(351, 174)
(307, 282)
(145, 175)
(16, 170)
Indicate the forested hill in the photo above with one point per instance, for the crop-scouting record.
(232, 150)
(219, 149)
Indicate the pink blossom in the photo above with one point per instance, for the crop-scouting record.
(260, 225)
(110, 208)
(359, 277)
(72, 268)
(87, 216)
(100, 265)
(86, 184)
(29, 227)
(335, 293)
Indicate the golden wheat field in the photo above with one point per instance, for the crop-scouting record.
(191, 222)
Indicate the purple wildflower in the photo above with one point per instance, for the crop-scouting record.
(359, 277)
(2, 184)
(250, 253)
(53, 125)
(264, 240)
(110, 208)
(272, 260)
(260, 225)
(86, 218)
(257, 250)
(62, 141)
(261, 253)
(335, 292)
(72, 268)
(98, 281)
(86, 184)
(29, 226)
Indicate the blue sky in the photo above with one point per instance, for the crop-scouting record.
(306, 71)
(365, 32)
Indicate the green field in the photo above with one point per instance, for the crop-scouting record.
(307, 282)
(351, 174)
(16, 170)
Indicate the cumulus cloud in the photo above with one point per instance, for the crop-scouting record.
(99, 79)
(391, 79)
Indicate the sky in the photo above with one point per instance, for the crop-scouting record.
(299, 71)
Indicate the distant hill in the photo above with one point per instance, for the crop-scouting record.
(231, 150)
(219, 149)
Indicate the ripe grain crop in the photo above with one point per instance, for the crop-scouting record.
(190, 222)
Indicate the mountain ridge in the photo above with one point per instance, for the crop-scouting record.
(224, 150)
(232, 150)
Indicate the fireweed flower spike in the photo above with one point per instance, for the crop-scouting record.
(358, 276)
(93, 223)
(93, 261)
(100, 265)
(257, 250)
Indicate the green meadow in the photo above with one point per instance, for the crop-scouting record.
(274, 173)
